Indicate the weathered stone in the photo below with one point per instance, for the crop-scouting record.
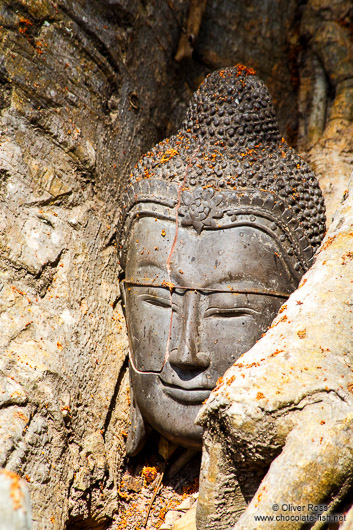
(225, 184)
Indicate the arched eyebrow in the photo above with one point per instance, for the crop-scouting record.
(173, 287)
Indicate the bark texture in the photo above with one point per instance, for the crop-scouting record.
(325, 100)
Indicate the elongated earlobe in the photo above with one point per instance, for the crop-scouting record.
(138, 431)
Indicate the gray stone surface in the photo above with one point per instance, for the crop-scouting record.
(214, 222)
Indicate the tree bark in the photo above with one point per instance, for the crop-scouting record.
(326, 95)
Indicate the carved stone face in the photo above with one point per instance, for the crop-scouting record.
(182, 340)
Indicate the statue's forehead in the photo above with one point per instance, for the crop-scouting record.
(243, 254)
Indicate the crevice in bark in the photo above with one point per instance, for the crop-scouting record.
(81, 523)
(113, 401)
(110, 240)
(46, 274)
(58, 200)
(13, 403)
(5, 175)
(96, 49)
(5, 94)
(39, 281)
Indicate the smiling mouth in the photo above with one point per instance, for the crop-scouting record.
(190, 396)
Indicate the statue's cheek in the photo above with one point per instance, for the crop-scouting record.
(148, 330)
(226, 338)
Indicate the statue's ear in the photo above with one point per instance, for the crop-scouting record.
(138, 431)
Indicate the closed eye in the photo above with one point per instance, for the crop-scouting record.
(156, 301)
(222, 312)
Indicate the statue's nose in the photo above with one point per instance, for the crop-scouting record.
(186, 354)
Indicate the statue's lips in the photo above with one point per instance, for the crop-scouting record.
(190, 396)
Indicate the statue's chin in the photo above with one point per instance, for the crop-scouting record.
(169, 411)
(193, 440)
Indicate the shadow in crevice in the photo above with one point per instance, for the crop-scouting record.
(151, 486)
(80, 523)
(113, 401)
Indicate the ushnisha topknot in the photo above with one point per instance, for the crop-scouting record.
(228, 166)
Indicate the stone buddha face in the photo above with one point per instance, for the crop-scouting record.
(194, 303)
(216, 227)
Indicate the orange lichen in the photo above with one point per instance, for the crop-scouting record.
(191, 488)
(25, 21)
(19, 414)
(347, 255)
(170, 285)
(242, 69)
(149, 474)
(328, 242)
(168, 155)
(16, 493)
(301, 333)
(15, 290)
(218, 385)
(230, 380)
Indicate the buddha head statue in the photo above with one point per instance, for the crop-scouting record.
(218, 224)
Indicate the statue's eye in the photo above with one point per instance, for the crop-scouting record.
(231, 312)
(158, 301)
